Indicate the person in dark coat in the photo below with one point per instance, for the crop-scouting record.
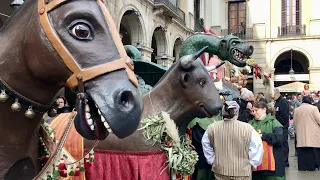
(245, 102)
(282, 109)
(271, 132)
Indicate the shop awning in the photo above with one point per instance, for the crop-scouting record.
(297, 87)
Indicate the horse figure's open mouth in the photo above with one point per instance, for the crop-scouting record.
(108, 108)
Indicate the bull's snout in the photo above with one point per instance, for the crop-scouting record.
(217, 107)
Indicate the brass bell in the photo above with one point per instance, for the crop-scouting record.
(30, 114)
(3, 96)
(16, 106)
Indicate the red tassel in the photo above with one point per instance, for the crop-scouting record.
(77, 173)
(63, 174)
(62, 167)
(87, 164)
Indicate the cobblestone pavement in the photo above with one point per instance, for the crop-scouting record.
(292, 172)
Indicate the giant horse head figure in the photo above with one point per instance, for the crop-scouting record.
(49, 44)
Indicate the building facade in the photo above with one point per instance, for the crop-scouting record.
(156, 27)
(278, 30)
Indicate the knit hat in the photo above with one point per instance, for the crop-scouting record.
(233, 105)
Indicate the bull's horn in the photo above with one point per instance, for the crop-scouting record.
(200, 52)
(211, 68)
(187, 60)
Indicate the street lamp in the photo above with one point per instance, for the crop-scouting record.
(164, 57)
(291, 72)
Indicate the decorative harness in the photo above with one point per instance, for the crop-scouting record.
(88, 73)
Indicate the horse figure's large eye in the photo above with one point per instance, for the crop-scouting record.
(233, 44)
(81, 30)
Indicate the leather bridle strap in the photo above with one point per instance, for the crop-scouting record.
(123, 62)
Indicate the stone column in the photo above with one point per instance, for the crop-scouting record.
(314, 75)
(271, 88)
(146, 53)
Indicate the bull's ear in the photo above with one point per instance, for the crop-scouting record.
(184, 79)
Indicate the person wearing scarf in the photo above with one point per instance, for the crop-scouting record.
(232, 146)
(271, 132)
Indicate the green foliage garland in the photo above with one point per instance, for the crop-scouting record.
(181, 155)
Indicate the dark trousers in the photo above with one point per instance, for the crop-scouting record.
(285, 146)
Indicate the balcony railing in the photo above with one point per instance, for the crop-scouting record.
(180, 14)
(296, 30)
(242, 33)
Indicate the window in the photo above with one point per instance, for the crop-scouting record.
(197, 9)
(290, 12)
(237, 16)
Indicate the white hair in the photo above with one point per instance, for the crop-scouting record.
(276, 91)
(246, 94)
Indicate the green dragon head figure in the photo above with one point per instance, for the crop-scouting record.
(229, 48)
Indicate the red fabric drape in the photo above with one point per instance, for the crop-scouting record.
(120, 165)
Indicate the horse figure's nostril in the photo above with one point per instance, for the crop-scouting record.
(126, 99)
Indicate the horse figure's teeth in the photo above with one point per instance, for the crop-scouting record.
(102, 119)
(90, 122)
(88, 115)
(87, 108)
(99, 112)
(106, 125)
(96, 106)
(92, 127)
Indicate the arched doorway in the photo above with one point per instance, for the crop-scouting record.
(159, 44)
(176, 48)
(131, 28)
(300, 65)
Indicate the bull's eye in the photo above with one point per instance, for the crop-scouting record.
(202, 82)
(233, 44)
(81, 30)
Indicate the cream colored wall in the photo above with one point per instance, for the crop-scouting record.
(218, 10)
(313, 12)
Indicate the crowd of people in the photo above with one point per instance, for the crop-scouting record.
(251, 140)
